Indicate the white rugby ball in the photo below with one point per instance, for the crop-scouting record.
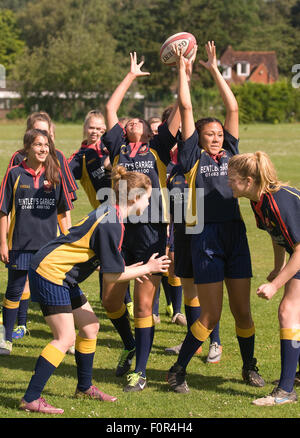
(184, 40)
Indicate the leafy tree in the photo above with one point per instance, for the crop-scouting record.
(11, 44)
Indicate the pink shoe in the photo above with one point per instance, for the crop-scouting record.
(94, 392)
(40, 405)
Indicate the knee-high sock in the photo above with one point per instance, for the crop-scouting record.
(23, 308)
(84, 356)
(46, 364)
(175, 291)
(144, 335)
(193, 340)
(10, 312)
(289, 350)
(192, 310)
(166, 286)
(246, 339)
(120, 320)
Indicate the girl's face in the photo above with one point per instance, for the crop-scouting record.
(38, 151)
(95, 129)
(212, 137)
(240, 186)
(135, 130)
(42, 125)
(154, 127)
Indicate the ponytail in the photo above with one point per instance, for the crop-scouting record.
(259, 167)
(134, 180)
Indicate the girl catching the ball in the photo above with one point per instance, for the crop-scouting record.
(219, 246)
(137, 149)
(276, 207)
(59, 267)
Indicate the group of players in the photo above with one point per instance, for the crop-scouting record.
(126, 235)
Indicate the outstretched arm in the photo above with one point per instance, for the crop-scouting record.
(116, 98)
(232, 110)
(184, 67)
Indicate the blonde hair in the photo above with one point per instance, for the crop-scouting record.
(97, 114)
(134, 180)
(258, 166)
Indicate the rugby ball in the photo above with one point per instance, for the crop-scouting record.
(184, 40)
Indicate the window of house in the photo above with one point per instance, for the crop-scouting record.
(227, 73)
(243, 68)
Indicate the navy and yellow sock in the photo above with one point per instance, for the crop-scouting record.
(120, 320)
(192, 310)
(193, 340)
(9, 313)
(246, 340)
(289, 350)
(175, 291)
(144, 335)
(23, 308)
(46, 364)
(215, 335)
(84, 356)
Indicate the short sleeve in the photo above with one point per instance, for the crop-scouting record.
(6, 193)
(188, 152)
(230, 143)
(75, 164)
(163, 143)
(106, 242)
(63, 202)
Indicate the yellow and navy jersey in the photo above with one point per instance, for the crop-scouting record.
(87, 166)
(208, 172)
(67, 175)
(278, 213)
(33, 204)
(149, 158)
(73, 256)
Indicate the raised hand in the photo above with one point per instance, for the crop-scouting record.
(135, 68)
(211, 62)
(181, 61)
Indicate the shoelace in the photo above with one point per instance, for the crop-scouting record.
(133, 378)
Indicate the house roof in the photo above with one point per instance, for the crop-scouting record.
(230, 57)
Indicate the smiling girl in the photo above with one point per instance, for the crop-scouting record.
(33, 193)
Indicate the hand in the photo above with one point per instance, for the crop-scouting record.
(190, 62)
(266, 291)
(135, 68)
(4, 257)
(181, 61)
(160, 264)
(211, 63)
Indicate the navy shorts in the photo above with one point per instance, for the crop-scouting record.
(143, 240)
(20, 260)
(183, 265)
(221, 251)
(52, 297)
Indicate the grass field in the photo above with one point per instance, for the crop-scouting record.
(216, 391)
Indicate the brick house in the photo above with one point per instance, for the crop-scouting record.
(253, 66)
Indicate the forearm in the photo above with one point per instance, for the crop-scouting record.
(130, 273)
(116, 99)
(185, 105)
(290, 269)
(227, 95)
(3, 228)
(279, 256)
(64, 220)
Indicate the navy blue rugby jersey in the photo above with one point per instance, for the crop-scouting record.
(87, 165)
(279, 214)
(203, 171)
(34, 204)
(150, 158)
(73, 256)
(67, 175)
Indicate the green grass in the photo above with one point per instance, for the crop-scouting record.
(216, 391)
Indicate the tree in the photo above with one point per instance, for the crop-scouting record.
(11, 44)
